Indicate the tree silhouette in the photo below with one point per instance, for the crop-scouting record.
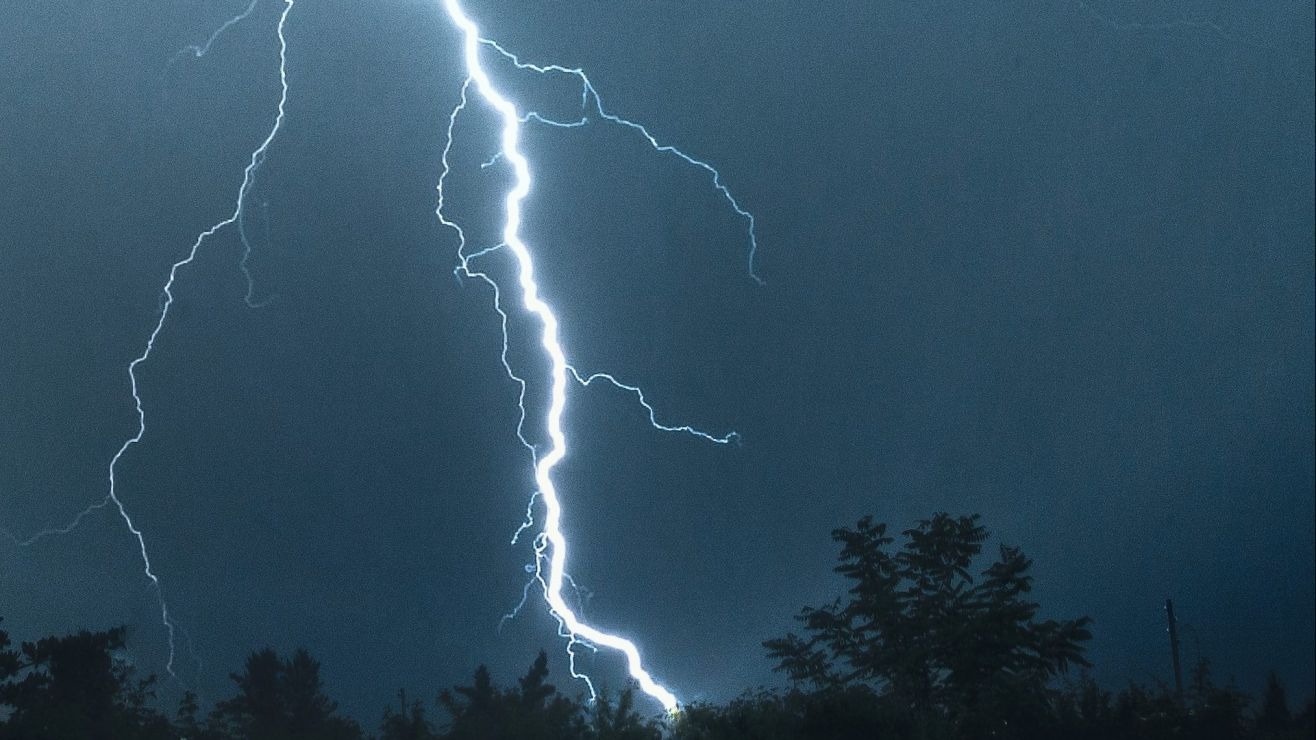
(847, 713)
(918, 627)
(281, 700)
(1274, 718)
(620, 721)
(187, 721)
(532, 711)
(927, 644)
(409, 724)
(74, 686)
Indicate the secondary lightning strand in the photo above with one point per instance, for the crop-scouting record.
(167, 301)
(199, 50)
(55, 531)
(586, 380)
(551, 538)
(1190, 24)
(464, 268)
(243, 264)
(248, 173)
(587, 92)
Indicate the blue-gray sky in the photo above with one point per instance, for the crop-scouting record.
(1051, 263)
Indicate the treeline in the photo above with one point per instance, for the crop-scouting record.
(921, 647)
(74, 688)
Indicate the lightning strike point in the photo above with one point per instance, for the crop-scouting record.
(552, 546)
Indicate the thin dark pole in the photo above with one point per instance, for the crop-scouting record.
(1174, 649)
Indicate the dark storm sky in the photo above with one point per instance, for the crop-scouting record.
(1048, 262)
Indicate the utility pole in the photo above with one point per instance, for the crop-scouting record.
(1174, 650)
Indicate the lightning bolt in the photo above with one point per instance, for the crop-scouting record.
(166, 303)
(551, 543)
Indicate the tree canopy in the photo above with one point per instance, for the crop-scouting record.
(918, 623)
(75, 686)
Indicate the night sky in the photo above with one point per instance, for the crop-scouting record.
(1049, 262)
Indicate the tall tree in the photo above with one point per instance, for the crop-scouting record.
(919, 627)
(534, 710)
(75, 686)
(620, 721)
(281, 699)
(408, 724)
(1274, 716)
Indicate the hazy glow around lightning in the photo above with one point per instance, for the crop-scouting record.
(552, 532)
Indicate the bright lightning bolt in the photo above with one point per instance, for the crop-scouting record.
(551, 543)
(167, 302)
